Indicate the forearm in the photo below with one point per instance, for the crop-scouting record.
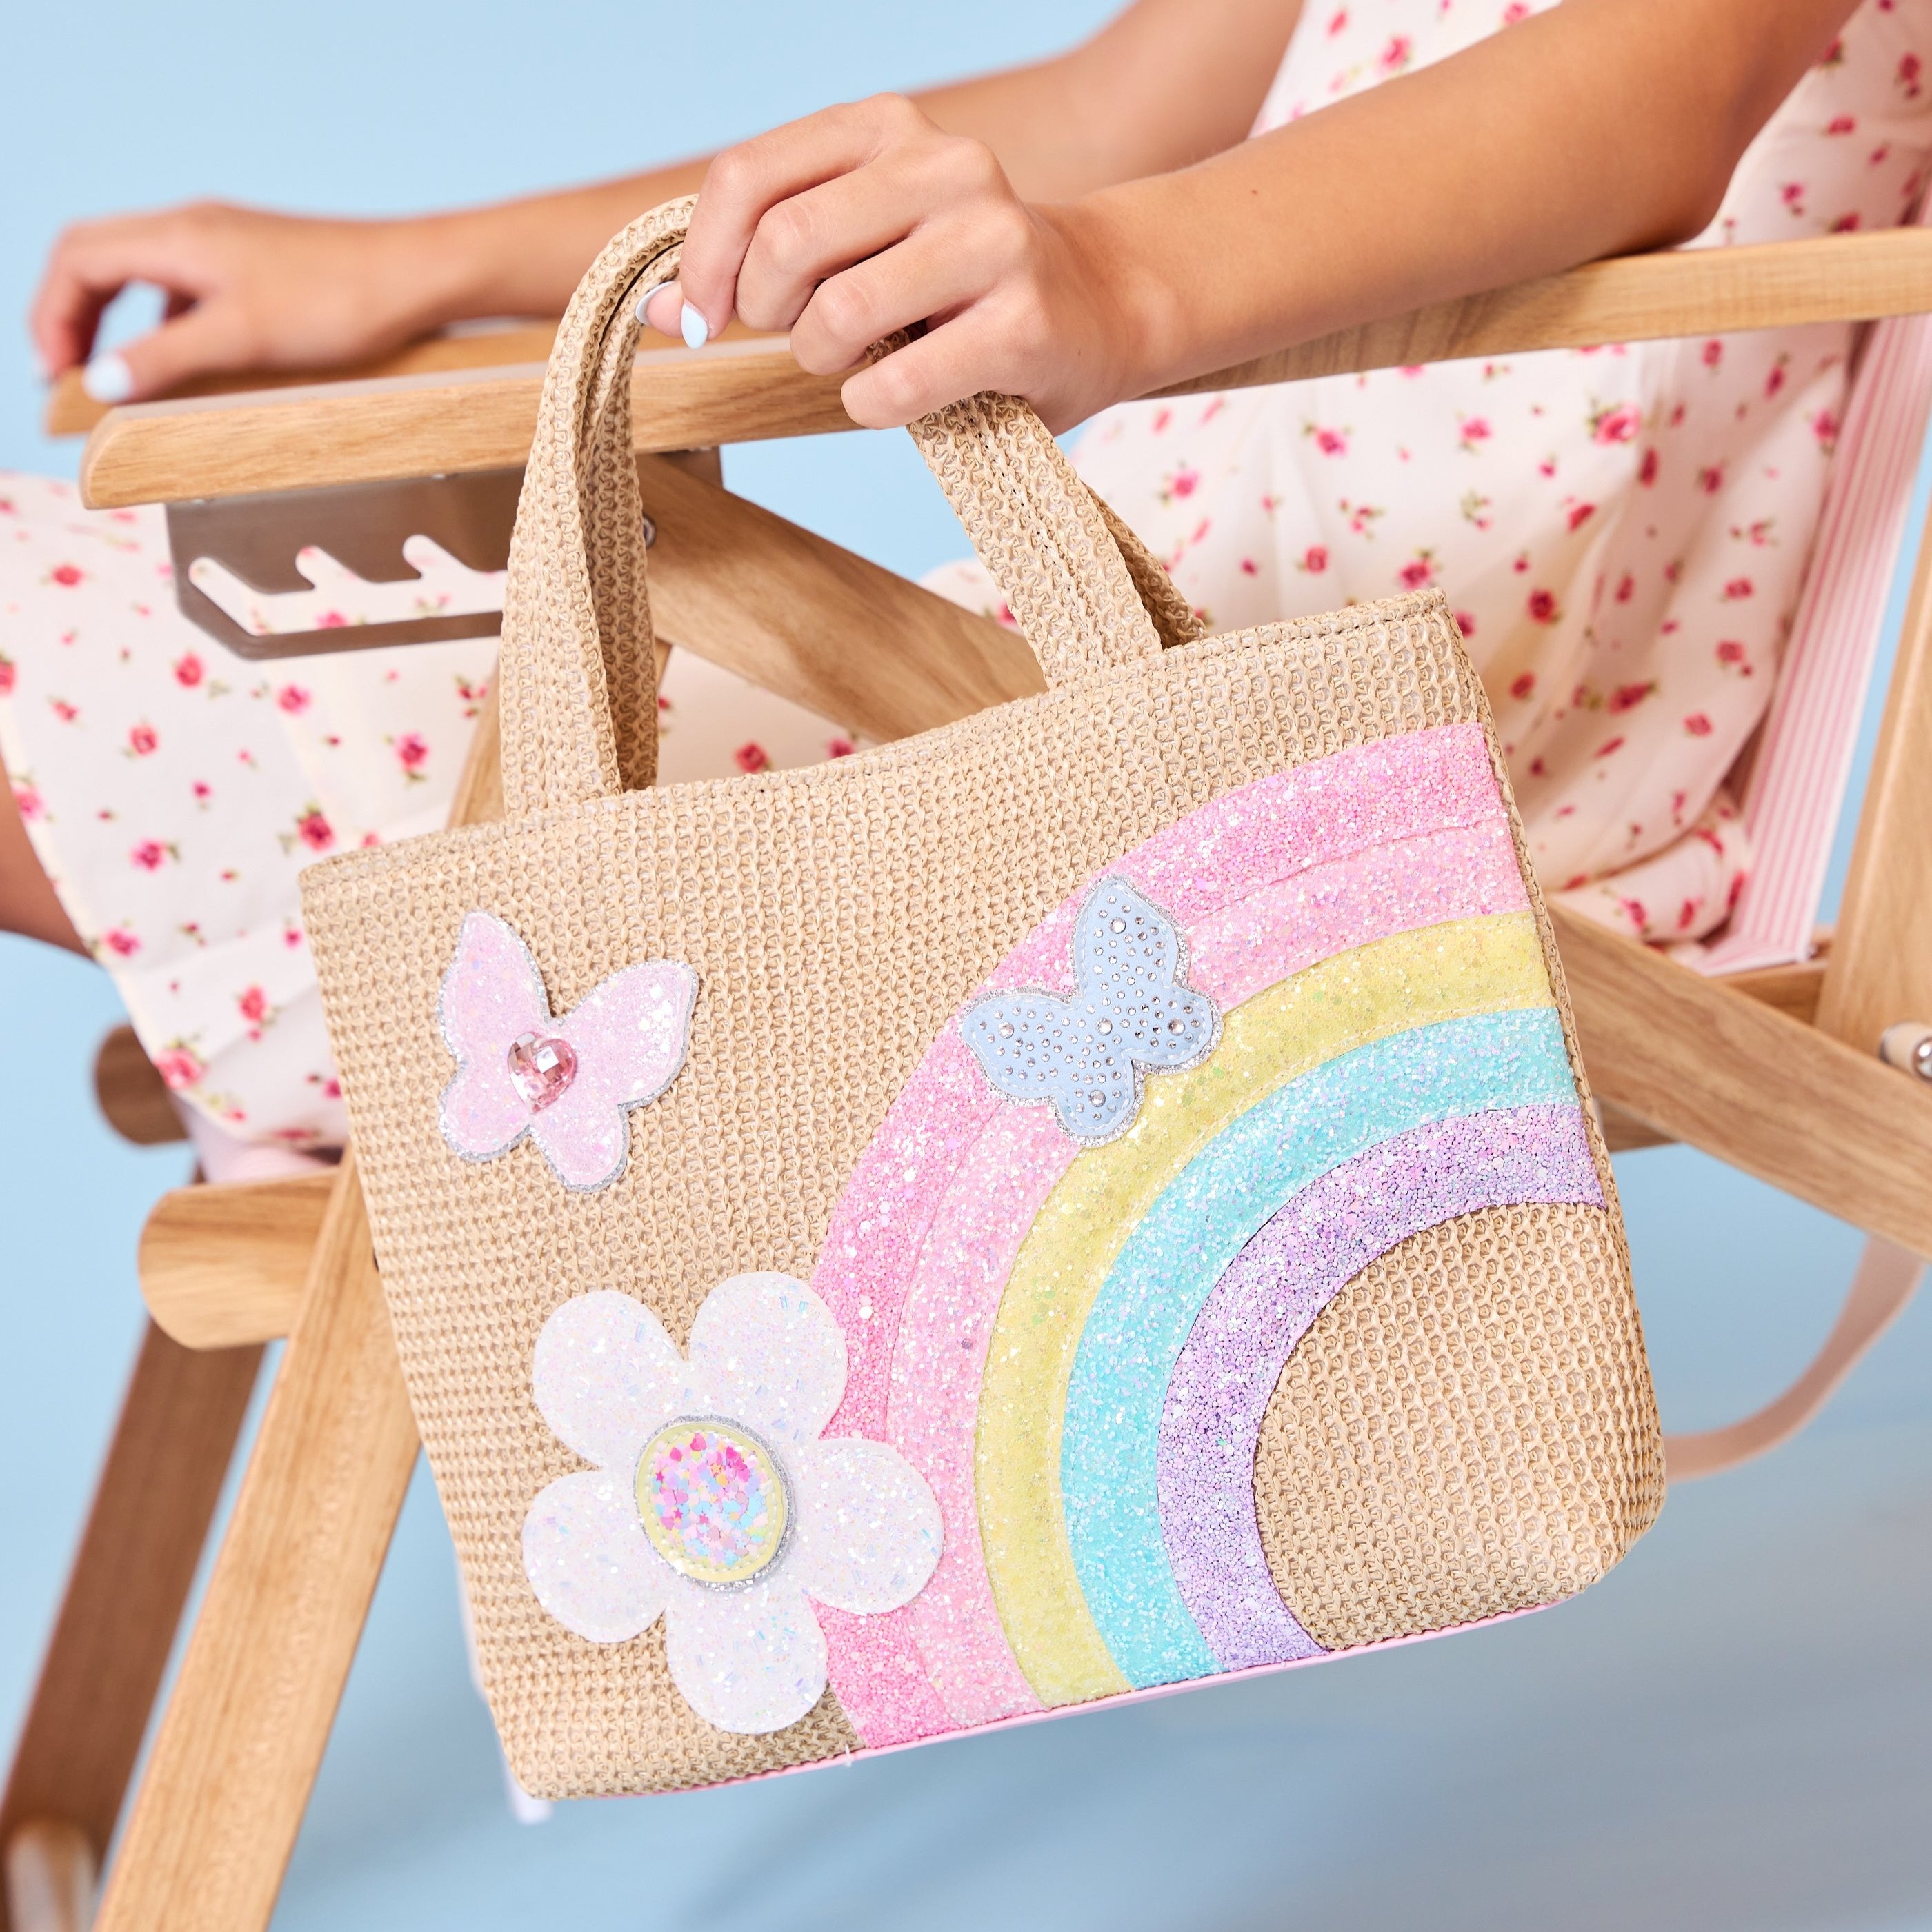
(1618, 135)
(524, 257)
(1164, 84)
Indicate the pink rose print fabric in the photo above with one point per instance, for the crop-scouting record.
(567, 1083)
(1623, 533)
(173, 791)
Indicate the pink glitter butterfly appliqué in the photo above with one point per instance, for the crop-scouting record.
(567, 1083)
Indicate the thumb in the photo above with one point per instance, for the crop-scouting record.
(201, 341)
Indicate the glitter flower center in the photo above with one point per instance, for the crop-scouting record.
(713, 1500)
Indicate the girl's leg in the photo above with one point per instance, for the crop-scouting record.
(27, 903)
(29, 906)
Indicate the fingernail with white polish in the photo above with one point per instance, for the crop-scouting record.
(645, 298)
(108, 378)
(696, 330)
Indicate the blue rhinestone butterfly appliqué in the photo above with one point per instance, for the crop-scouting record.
(1132, 1009)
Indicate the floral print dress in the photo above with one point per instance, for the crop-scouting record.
(1622, 533)
(173, 791)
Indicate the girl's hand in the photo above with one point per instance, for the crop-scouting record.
(244, 289)
(864, 219)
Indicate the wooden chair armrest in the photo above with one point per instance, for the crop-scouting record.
(71, 411)
(223, 1266)
(133, 1098)
(420, 416)
(1702, 1061)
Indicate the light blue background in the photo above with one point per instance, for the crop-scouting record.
(1730, 1731)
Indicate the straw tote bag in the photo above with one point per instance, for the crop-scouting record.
(1094, 1198)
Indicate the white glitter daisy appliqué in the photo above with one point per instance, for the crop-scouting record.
(715, 1502)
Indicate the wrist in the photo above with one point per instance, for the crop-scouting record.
(524, 257)
(1146, 322)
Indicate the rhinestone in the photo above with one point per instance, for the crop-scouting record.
(540, 1070)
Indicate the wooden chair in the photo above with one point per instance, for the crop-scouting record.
(1777, 1072)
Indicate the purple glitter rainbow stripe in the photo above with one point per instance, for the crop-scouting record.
(1268, 1300)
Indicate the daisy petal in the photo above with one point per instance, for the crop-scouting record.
(748, 1660)
(585, 1555)
(868, 1534)
(607, 1378)
(766, 1349)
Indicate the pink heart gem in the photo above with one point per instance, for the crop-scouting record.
(542, 1070)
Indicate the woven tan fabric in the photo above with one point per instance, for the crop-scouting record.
(1466, 1430)
(1174, 617)
(835, 918)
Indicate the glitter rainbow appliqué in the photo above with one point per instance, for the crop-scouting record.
(1068, 1318)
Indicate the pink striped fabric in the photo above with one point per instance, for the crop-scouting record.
(1805, 762)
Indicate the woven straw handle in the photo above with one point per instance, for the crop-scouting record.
(578, 675)
(1085, 590)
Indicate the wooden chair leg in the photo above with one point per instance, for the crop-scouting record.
(218, 1810)
(131, 1575)
(222, 1799)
